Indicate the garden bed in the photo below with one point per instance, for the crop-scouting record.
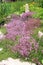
(20, 33)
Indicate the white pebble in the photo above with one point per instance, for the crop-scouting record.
(5, 25)
(1, 49)
(40, 34)
(1, 35)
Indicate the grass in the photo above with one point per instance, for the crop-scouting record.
(17, 7)
(6, 45)
(40, 41)
(35, 35)
(3, 30)
(6, 52)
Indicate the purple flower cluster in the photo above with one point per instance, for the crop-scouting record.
(23, 29)
(15, 27)
(25, 46)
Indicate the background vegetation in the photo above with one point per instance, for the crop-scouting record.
(18, 7)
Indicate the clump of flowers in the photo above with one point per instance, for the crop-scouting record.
(25, 46)
(23, 28)
(14, 28)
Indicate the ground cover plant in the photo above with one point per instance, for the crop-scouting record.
(22, 33)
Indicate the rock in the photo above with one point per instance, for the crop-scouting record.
(40, 34)
(1, 35)
(1, 49)
(5, 25)
(11, 61)
(26, 8)
(8, 17)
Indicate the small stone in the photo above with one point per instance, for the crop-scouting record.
(5, 25)
(8, 17)
(1, 35)
(1, 49)
(40, 34)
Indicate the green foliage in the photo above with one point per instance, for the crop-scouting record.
(9, 8)
(6, 45)
(18, 7)
(39, 2)
(3, 30)
(42, 61)
(6, 52)
(38, 11)
(39, 55)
